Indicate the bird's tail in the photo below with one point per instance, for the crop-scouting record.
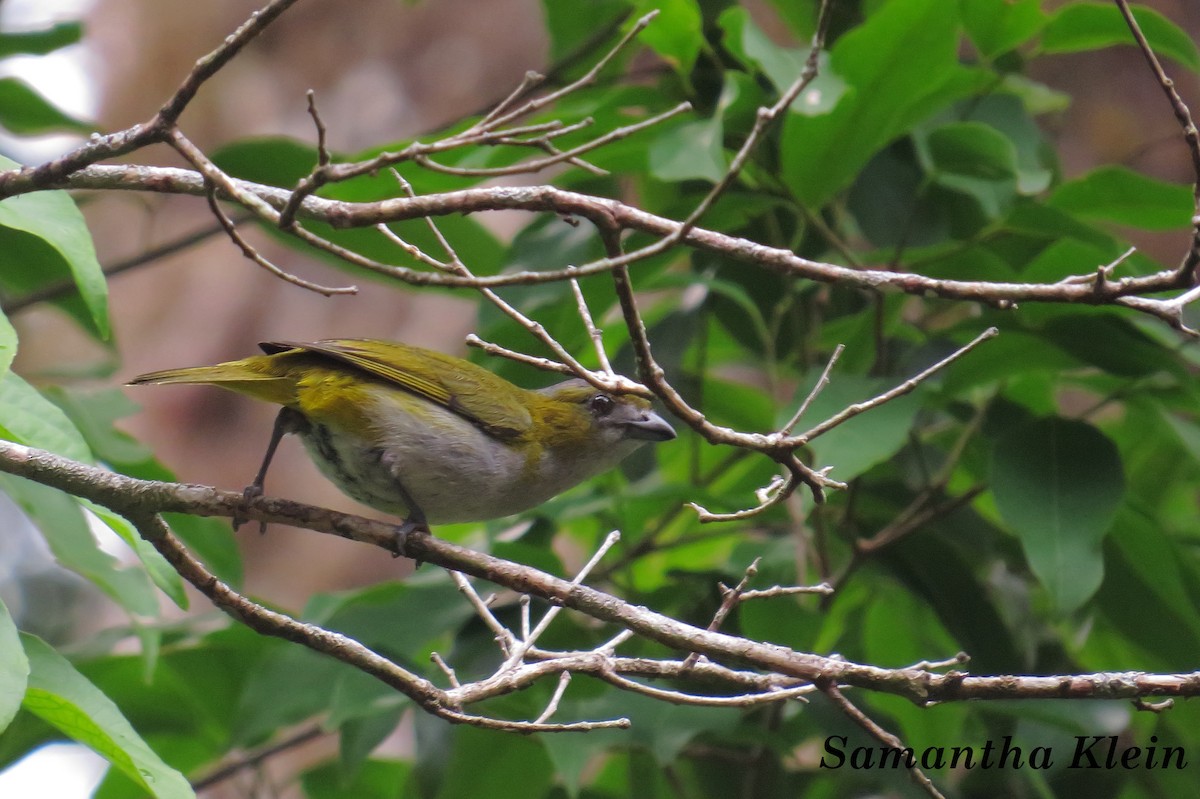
(250, 376)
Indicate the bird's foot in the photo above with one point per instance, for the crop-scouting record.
(415, 523)
(249, 494)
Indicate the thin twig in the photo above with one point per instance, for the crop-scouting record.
(594, 333)
(908, 385)
(538, 164)
(135, 499)
(449, 672)
(728, 602)
(564, 679)
(958, 660)
(538, 103)
(784, 590)
(822, 381)
(530, 360)
(254, 255)
(683, 698)
(530, 637)
(1191, 136)
(880, 734)
(604, 381)
(504, 636)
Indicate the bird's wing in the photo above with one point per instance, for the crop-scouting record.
(482, 398)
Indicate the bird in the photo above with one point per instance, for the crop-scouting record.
(430, 437)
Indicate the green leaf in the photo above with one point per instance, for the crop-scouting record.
(1188, 433)
(60, 519)
(14, 669)
(95, 414)
(1005, 113)
(1117, 194)
(901, 66)
(157, 567)
(273, 160)
(1038, 98)
(868, 439)
(675, 33)
(293, 683)
(1058, 484)
(1111, 343)
(358, 738)
(1013, 354)
(40, 42)
(377, 779)
(478, 763)
(661, 729)
(940, 566)
(1091, 26)
(971, 158)
(968, 149)
(689, 151)
(1143, 562)
(572, 26)
(781, 65)
(997, 26)
(53, 218)
(64, 698)
(8, 344)
(29, 418)
(25, 112)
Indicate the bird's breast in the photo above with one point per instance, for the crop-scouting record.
(395, 445)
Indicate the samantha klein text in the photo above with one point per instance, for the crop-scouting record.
(1089, 752)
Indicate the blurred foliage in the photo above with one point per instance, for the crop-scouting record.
(919, 147)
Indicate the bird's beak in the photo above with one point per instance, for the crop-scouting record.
(649, 426)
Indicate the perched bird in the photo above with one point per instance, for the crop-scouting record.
(427, 436)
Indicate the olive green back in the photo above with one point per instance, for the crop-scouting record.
(491, 402)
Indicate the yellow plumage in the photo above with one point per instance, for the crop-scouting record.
(426, 435)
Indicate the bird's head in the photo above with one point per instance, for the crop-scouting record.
(574, 415)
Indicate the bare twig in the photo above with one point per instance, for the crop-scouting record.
(960, 659)
(537, 165)
(1187, 268)
(594, 333)
(728, 602)
(683, 698)
(564, 679)
(878, 733)
(495, 349)
(536, 104)
(781, 487)
(784, 590)
(822, 381)
(607, 381)
(254, 255)
(908, 385)
(529, 637)
(449, 672)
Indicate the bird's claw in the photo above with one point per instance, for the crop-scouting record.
(249, 494)
(415, 523)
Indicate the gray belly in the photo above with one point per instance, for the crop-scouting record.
(473, 479)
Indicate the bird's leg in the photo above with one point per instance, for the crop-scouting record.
(415, 521)
(287, 421)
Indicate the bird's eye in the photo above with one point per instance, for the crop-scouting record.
(601, 404)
